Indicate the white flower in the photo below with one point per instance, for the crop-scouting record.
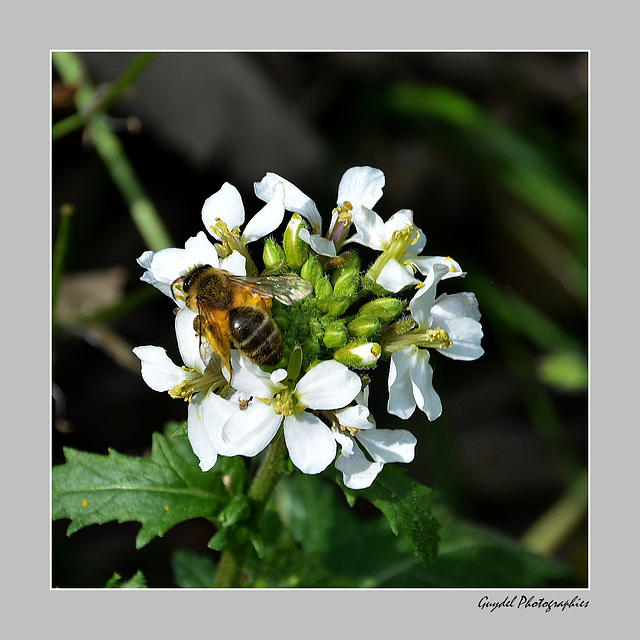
(310, 442)
(226, 206)
(357, 427)
(359, 186)
(207, 411)
(400, 242)
(163, 267)
(451, 324)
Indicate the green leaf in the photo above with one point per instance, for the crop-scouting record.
(137, 581)
(474, 557)
(565, 371)
(405, 504)
(325, 545)
(463, 126)
(192, 570)
(159, 492)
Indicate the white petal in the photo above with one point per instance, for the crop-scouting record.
(311, 445)
(456, 305)
(401, 402)
(346, 442)
(250, 379)
(427, 400)
(294, 199)
(199, 438)
(200, 250)
(466, 334)
(225, 204)
(399, 221)
(356, 417)
(422, 302)
(169, 264)
(236, 263)
(158, 370)
(357, 471)
(361, 186)
(320, 245)
(278, 376)
(328, 385)
(249, 431)
(216, 411)
(388, 445)
(145, 259)
(188, 340)
(418, 242)
(268, 218)
(165, 287)
(394, 277)
(370, 229)
(425, 263)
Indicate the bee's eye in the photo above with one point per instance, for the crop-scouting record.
(188, 279)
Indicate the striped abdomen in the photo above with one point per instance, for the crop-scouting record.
(255, 334)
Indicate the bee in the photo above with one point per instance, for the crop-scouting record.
(238, 309)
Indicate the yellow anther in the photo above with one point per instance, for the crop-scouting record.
(350, 430)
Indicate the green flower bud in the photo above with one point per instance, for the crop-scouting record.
(335, 335)
(272, 255)
(346, 285)
(296, 250)
(399, 328)
(348, 262)
(386, 309)
(344, 292)
(359, 354)
(295, 363)
(364, 325)
(312, 270)
(237, 510)
(324, 291)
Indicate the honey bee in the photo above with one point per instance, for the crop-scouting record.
(238, 309)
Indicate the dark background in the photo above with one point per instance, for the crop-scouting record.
(507, 444)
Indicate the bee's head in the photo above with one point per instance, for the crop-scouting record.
(180, 286)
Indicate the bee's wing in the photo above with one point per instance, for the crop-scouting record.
(213, 338)
(286, 288)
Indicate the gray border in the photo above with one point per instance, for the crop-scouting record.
(503, 26)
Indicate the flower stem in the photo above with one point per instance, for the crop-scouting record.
(110, 150)
(60, 252)
(554, 527)
(262, 485)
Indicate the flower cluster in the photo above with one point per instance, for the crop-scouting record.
(316, 397)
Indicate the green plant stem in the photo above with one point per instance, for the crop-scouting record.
(103, 102)
(547, 534)
(110, 150)
(260, 490)
(60, 253)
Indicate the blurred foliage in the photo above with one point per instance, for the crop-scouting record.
(488, 149)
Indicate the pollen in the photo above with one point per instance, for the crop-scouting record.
(166, 507)
(350, 430)
(84, 503)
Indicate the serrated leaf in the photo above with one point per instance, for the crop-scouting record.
(137, 581)
(405, 504)
(159, 491)
(472, 556)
